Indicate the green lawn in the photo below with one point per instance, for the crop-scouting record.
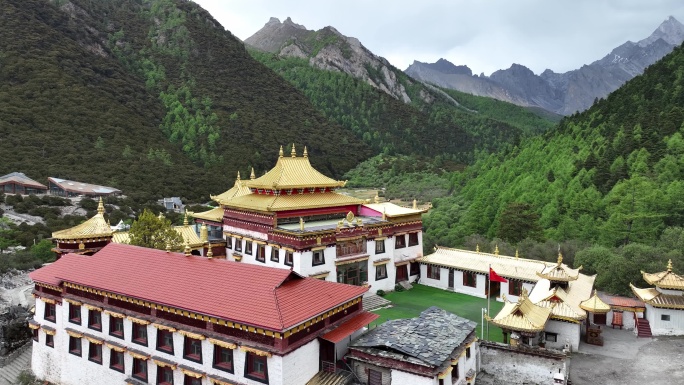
(409, 304)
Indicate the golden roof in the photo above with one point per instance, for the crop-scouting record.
(238, 189)
(508, 267)
(95, 227)
(213, 215)
(559, 272)
(557, 301)
(283, 202)
(291, 173)
(665, 279)
(657, 299)
(566, 304)
(595, 305)
(522, 316)
(188, 233)
(121, 237)
(391, 210)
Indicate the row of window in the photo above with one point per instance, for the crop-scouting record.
(260, 251)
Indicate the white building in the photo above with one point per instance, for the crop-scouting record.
(664, 313)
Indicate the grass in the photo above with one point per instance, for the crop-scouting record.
(409, 304)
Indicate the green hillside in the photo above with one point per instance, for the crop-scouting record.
(153, 97)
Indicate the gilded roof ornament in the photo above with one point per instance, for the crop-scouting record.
(252, 176)
(204, 233)
(185, 219)
(210, 254)
(293, 152)
(306, 153)
(560, 258)
(496, 250)
(100, 207)
(238, 176)
(516, 254)
(301, 224)
(280, 153)
(187, 249)
(168, 247)
(477, 248)
(377, 198)
(669, 265)
(415, 204)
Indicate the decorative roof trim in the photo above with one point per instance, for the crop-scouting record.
(195, 336)
(223, 344)
(258, 352)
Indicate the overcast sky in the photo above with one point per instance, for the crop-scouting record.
(484, 34)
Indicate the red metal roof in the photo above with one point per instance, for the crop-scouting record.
(349, 327)
(621, 301)
(265, 297)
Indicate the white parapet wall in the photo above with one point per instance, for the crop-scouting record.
(505, 364)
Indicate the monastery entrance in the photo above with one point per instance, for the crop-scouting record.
(327, 356)
(355, 273)
(402, 273)
(494, 289)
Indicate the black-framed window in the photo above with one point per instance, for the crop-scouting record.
(514, 287)
(275, 254)
(288, 258)
(454, 372)
(75, 345)
(116, 361)
(50, 340)
(35, 334)
(116, 327)
(139, 369)
(413, 239)
(380, 272)
(229, 243)
(190, 380)
(469, 279)
(50, 312)
(468, 352)
(238, 244)
(551, 337)
(415, 268)
(139, 334)
(400, 242)
(165, 341)
(164, 376)
(248, 247)
(192, 349)
(318, 258)
(223, 358)
(261, 253)
(434, 272)
(95, 353)
(664, 317)
(256, 368)
(75, 314)
(94, 319)
(379, 246)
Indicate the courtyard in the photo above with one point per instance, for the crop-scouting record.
(409, 304)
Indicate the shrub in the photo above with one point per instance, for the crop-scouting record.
(381, 293)
(398, 288)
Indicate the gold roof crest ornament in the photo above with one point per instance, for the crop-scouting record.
(516, 253)
(210, 254)
(81, 246)
(415, 204)
(306, 153)
(669, 265)
(350, 217)
(238, 176)
(187, 249)
(377, 198)
(301, 224)
(100, 207)
(280, 153)
(185, 219)
(168, 247)
(293, 152)
(204, 233)
(496, 249)
(477, 248)
(252, 176)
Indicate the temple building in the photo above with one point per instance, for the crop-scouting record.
(19, 183)
(437, 347)
(133, 315)
(293, 218)
(664, 314)
(86, 238)
(70, 188)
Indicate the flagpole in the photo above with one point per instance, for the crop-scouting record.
(489, 294)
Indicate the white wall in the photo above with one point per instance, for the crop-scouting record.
(404, 378)
(565, 330)
(442, 283)
(511, 367)
(659, 327)
(301, 365)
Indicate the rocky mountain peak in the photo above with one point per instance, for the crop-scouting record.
(670, 30)
(289, 22)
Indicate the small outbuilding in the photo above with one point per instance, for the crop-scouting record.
(19, 183)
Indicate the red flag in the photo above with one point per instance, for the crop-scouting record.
(495, 277)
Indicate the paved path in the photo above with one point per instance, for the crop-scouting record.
(10, 372)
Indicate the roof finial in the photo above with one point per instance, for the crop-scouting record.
(384, 214)
(252, 176)
(187, 250)
(477, 248)
(496, 249)
(415, 204)
(523, 295)
(293, 152)
(210, 254)
(560, 258)
(516, 253)
(669, 265)
(301, 224)
(204, 233)
(280, 153)
(185, 219)
(238, 178)
(168, 247)
(306, 153)
(377, 198)
(100, 207)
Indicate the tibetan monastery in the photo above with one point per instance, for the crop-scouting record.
(293, 218)
(133, 315)
(86, 238)
(664, 312)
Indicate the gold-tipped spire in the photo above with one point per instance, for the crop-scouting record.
(238, 177)
(669, 265)
(210, 254)
(100, 207)
(306, 153)
(496, 249)
(477, 248)
(415, 204)
(187, 250)
(293, 152)
(523, 295)
(560, 258)
(280, 153)
(516, 253)
(185, 219)
(377, 198)
(252, 176)
(204, 233)
(301, 224)
(168, 247)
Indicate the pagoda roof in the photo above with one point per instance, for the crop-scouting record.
(564, 303)
(559, 272)
(284, 202)
(258, 296)
(22, 179)
(665, 279)
(292, 173)
(595, 305)
(655, 298)
(95, 227)
(523, 315)
(238, 189)
(392, 210)
(213, 215)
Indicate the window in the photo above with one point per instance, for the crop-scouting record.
(95, 319)
(116, 361)
(193, 350)
(467, 352)
(514, 287)
(140, 369)
(380, 272)
(261, 253)
(74, 313)
(355, 273)
(95, 353)
(374, 377)
(35, 334)
(454, 373)
(238, 244)
(229, 243)
(248, 247)
(223, 358)
(50, 312)
(664, 317)
(190, 380)
(75, 345)
(318, 258)
(165, 341)
(415, 268)
(275, 254)
(469, 279)
(140, 334)
(551, 337)
(255, 368)
(164, 376)
(116, 327)
(413, 239)
(400, 242)
(433, 271)
(379, 246)
(288, 258)
(50, 340)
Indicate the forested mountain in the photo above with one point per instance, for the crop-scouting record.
(149, 96)
(611, 175)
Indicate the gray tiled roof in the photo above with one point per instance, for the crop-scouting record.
(430, 338)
